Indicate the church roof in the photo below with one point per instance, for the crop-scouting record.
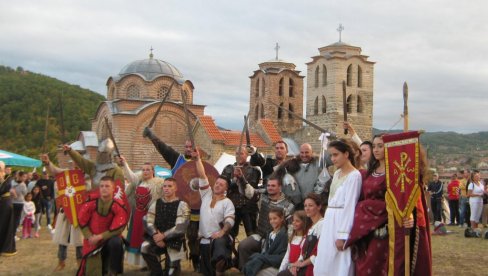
(149, 69)
(270, 130)
(210, 128)
(233, 138)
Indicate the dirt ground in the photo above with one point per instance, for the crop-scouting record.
(452, 255)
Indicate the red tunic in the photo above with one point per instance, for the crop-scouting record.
(371, 256)
(116, 219)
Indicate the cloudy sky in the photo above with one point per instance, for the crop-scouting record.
(437, 46)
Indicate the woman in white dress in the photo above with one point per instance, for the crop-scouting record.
(332, 257)
(476, 190)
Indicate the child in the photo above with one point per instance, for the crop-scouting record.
(36, 198)
(300, 226)
(28, 216)
(274, 245)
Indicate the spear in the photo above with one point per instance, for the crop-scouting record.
(405, 107)
(344, 103)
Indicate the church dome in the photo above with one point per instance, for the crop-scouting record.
(151, 68)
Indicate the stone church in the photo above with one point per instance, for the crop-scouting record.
(133, 97)
(276, 82)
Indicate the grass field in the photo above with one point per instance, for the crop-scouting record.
(452, 255)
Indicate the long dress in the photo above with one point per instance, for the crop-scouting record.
(338, 223)
(370, 238)
(7, 231)
(140, 194)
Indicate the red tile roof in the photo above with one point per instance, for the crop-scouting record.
(270, 130)
(233, 138)
(210, 128)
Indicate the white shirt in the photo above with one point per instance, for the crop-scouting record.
(223, 211)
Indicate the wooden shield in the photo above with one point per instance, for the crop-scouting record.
(187, 172)
(71, 193)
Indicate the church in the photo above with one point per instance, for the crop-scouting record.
(134, 95)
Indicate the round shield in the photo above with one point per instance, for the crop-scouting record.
(185, 174)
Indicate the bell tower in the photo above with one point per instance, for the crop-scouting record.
(276, 82)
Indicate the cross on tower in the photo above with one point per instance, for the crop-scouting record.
(340, 29)
(151, 54)
(277, 48)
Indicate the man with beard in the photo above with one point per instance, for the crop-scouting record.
(246, 210)
(176, 160)
(309, 175)
(268, 165)
(166, 223)
(274, 198)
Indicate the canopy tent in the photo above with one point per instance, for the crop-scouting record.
(13, 159)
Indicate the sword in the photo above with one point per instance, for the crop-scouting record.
(248, 136)
(151, 123)
(322, 130)
(187, 119)
(112, 137)
(244, 132)
(344, 102)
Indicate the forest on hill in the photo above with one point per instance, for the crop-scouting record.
(30, 101)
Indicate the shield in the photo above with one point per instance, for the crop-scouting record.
(71, 193)
(185, 174)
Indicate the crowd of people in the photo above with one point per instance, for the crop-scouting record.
(467, 198)
(301, 215)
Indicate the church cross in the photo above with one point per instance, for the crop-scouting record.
(340, 29)
(151, 54)
(277, 48)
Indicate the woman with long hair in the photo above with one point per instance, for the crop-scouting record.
(369, 233)
(476, 191)
(333, 258)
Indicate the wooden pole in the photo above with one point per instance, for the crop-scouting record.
(405, 129)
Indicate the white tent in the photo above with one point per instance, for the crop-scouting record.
(224, 160)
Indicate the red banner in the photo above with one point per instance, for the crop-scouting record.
(71, 193)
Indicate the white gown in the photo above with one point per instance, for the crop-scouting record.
(337, 224)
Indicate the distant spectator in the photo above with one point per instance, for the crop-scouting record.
(37, 199)
(453, 196)
(18, 191)
(47, 190)
(476, 190)
(33, 182)
(463, 199)
(484, 216)
(435, 190)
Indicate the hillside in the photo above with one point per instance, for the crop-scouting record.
(454, 149)
(24, 101)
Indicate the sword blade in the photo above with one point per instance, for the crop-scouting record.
(322, 130)
(187, 119)
(344, 102)
(151, 123)
(112, 137)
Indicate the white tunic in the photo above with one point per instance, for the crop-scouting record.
(210, 218)
(338, 222)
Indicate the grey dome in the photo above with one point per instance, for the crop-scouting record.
(151, 68)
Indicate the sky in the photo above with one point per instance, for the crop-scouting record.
(437, 46)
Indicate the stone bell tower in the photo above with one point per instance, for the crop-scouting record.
(276, 82)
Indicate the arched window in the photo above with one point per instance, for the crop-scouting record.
(262, 111)
(360, 105)
(324, 75)
(360, 76)
(280, 89)
(133, 92)
(316, 106)
(349, 104)
(317, 77)
(349, 75)
(163, 90)
(324, 105)
(256, 112)
(290, 89)
(280, 112)
(257, 88)
(263, 86)
(290, 107)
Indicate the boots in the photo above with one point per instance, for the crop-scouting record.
(60, 266)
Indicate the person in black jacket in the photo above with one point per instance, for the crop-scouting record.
(268, 164)
(435, 189)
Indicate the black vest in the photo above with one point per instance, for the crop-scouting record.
(165, 219)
